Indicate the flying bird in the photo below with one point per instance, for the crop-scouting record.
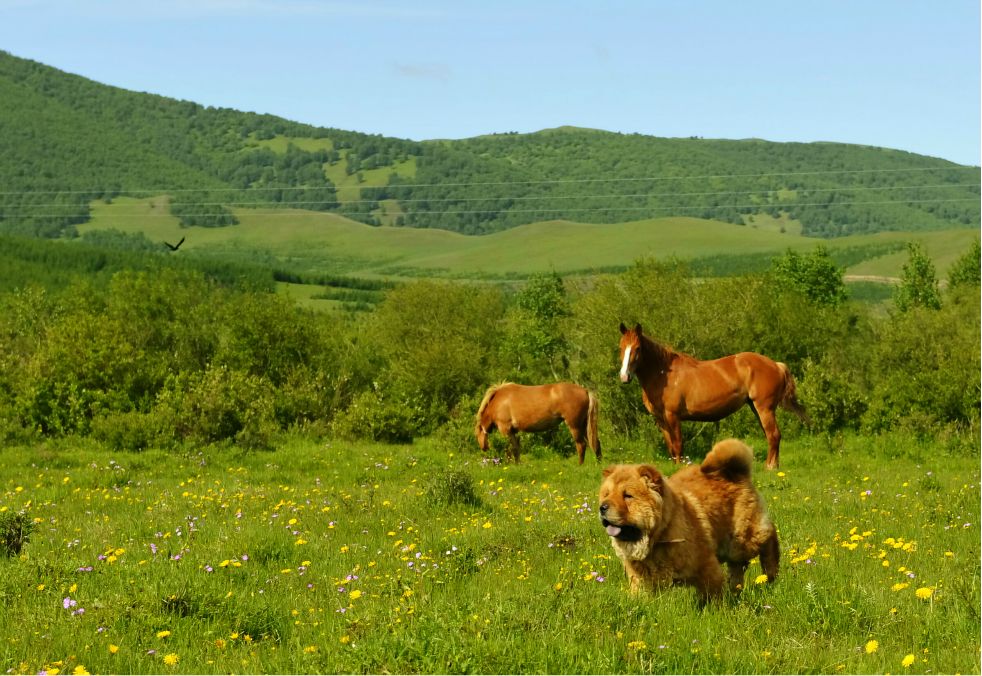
(175, 247)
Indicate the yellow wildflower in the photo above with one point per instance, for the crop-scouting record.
(171, 659)
(907, 661)
(355, 594)
(113, 648)
(872, 647)
(163, 634)
(924, 593)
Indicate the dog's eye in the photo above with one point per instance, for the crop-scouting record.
(628, 496)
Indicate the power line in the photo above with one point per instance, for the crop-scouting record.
(708, 207)
(141, 191)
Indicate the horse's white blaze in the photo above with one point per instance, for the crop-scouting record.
(627, 358)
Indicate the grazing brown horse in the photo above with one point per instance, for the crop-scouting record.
(677, 387)
(536, 408)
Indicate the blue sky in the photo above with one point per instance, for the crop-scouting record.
(898, 73)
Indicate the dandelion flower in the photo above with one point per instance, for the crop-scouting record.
(345, 640)
(924, 593)
(872, 647)
(355, 594)
(637, 645)
(310, 649)
(760, 579)
(907, 661)
(171, 659)
(80, 670)
(113, 648)
(163, 634)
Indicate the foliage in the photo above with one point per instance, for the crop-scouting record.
(436, 341)
(967, 270)
(918, 283)
(534, 341)
(15, 532)
(66, 142)
(165, 355)
(815, 276)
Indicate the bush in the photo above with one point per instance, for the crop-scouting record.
(132, 430)
(220, 404)
(15, 532)
(373, 416)
(452, 487)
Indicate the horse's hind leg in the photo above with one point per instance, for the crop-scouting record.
(768, 421)
(579, 438)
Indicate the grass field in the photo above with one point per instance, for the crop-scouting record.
(308, 241)
(330, 557)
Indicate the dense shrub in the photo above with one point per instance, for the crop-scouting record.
(161, 358)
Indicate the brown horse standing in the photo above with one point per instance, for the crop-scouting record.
(536, 408)
(677, 387)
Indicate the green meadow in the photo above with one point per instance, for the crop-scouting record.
(334, 557)
(308, 241)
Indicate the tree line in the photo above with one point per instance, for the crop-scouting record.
(167, 356)
(66, 141)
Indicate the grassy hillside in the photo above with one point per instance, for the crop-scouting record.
(66, 141)
(309, 243)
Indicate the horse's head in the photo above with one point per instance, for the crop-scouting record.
(481, 432)
(630, 350)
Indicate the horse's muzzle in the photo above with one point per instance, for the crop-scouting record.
(626, 377)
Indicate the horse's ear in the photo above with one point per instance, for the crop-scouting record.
(637, 328)
(623, 329)
(651, 476)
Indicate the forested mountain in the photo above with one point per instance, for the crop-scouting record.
(66, 141)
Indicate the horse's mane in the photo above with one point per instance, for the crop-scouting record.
(662, 353)
(487, 398)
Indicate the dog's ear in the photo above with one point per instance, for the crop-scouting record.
(608, 471)
(651, 476)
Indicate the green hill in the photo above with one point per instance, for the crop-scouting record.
(67, 142)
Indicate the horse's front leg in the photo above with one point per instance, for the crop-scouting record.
(768, 421)
(513, 446)
(671, 429)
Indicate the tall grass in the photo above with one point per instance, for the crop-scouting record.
(332, 557)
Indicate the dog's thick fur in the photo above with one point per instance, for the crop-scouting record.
(681, 529)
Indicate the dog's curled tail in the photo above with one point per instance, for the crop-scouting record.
(731, 459)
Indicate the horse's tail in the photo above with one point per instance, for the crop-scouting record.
(790, 398)
(592, 413)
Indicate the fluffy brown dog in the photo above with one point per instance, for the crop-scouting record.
(682, 529)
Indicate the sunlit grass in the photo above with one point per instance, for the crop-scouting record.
(331, 557)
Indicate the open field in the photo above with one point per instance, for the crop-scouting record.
(330, 557)
(309, 241)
